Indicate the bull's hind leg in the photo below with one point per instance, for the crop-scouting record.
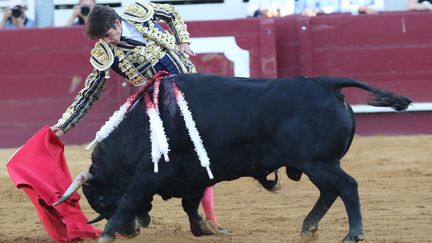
(198, 226)
(310, 223)
(331, 178)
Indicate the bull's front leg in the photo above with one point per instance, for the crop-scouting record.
(123, 221)
(198, 226)
(133, 207)
(143, 216)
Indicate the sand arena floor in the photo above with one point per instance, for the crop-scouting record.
(395, 185)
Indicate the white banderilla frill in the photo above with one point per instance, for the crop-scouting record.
(193, 131)
(159, 141)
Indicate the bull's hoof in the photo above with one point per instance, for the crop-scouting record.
(132, 235)
(353, 238)
(309, 229)
(144, 220)
(204, 227)
(106, 238)
(309, 233)
(124, 226)
(222, 231)
(308, 237)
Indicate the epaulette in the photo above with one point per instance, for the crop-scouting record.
(101, 56)
(138, 12)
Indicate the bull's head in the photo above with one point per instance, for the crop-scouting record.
(104, 199)
(100, 199)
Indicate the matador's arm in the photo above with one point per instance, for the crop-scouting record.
(83, 102)
(101, 58)
(171, 16)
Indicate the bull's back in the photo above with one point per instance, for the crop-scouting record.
(222, 101)
(275, 109)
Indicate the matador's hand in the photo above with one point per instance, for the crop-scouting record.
(185, 48)
(57, 131)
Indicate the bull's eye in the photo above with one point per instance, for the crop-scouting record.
(101, 202)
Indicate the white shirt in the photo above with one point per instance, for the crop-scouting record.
(130, 32)
(352, 6)
(324, 6)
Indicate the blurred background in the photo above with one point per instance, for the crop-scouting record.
(190, 10)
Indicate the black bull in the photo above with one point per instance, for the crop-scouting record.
(250, 127)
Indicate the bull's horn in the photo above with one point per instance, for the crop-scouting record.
(97, 219)
(76, 184)
(91, 145)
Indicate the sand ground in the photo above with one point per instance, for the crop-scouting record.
(395, 185)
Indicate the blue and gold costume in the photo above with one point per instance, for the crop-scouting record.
(134, 60)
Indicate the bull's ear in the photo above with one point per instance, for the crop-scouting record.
(97, 219)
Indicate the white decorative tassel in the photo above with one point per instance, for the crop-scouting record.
(159, 141)
(155, 152)
(109, 125)
(193, 133)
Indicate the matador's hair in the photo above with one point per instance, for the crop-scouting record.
(100, 20)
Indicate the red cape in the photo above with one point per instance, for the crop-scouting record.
(39, 168)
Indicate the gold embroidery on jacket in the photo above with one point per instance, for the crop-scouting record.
(161, 37)
(142, 17)
(129, 63)
(101, 56)
(93, 88)
(157, 41)
(171, 16)
(138, 11)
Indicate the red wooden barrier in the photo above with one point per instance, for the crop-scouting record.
(41, 70)
(257, 36)
(389, 50)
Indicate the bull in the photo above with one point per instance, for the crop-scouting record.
(250, 128)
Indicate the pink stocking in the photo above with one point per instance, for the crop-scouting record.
(207, 205)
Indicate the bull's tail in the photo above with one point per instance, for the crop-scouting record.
(270, 185)
(381, 97)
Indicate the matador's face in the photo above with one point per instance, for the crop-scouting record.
(113, 35)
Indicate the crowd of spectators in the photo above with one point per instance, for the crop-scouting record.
(80, 12)
(280, 8)
(420, 5)
(14, 15)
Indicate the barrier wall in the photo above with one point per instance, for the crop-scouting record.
(389, 50)
(256, 37)
(41, 70)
